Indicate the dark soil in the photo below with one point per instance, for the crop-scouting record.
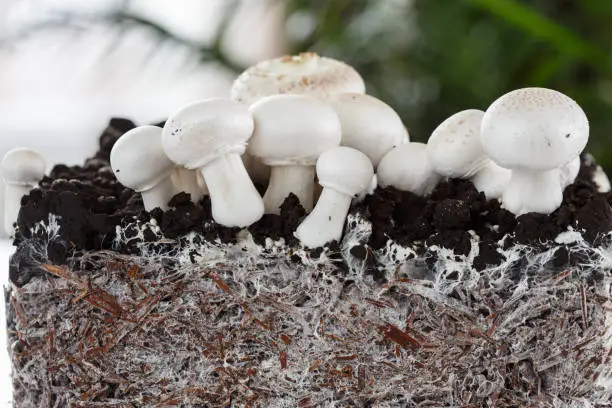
(91, 203)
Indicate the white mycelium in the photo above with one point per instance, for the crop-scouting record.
(368, 124)
(291, 132)
(21, 170)
(408, 168)
(210, 136)
(454, 150)
(344, 173)
(533, 132)
(139, 163)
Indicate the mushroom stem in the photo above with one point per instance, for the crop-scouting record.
(533, 191)
(186, 181)
(235, 201)
(159, 195)
(491, 180)
(325, 223)
(12, 204)
(284, 180)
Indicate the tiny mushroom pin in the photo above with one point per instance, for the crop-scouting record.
(407, 168)
(454, 150)
(21, 170)
(343, 172)
(210, 136)
(291, 132)
(139, 162)
(368, 124)
(534, 132)
(188, 181)
(306, 73)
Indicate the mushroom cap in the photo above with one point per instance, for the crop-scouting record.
(534, 129)
(22, 166)
(138, 160)
(345, 170)
(454, 148)
(407, 168)
(368, 124)
(293, 130)
(306, 73)
(206, 130)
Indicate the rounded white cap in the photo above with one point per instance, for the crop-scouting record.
(23, 167)
(569, 172)
(407, 168)
(454, 148)
(138, 160)
(368, 124)
(293, 130)
(345, 170)
(206, 130)
(306, 73)
(534, 129)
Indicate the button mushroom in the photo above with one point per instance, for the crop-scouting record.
(368, 124)
(306, 73)
(291, 132)
(139, 162)
(210, 136)
(187, 181)
(454, 150)
(569, 172)
(344, 173)
(407, 168)
(533, 132)
(21, 170)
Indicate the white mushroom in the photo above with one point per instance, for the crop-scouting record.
(187, 181)
(368, 124)
(291, 132)
(306, 73)
(139, 162)
(344, 173)
(533, 132)
(454, 150)
(21, 170)
(407, 168)
(210, 136)
(569, 172)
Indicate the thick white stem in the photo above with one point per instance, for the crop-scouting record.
(187, 181)
(284, 180)
(159, 195)
(12, 204)
(491, 179)
(533, 191)
(235, 201)
(325, 223)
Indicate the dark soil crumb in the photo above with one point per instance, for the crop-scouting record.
(91, 204)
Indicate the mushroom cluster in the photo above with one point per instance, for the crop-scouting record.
(292, 121)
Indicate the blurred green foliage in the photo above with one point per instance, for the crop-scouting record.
(432, 58)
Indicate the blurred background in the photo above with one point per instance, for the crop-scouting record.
(66, 66)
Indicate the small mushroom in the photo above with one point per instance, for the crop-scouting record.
(407, 168)
(344, 173)
(368, 124)
(454, 150)
(291, 132)
(187, 181)
(306, 73)
(210, 136)
(569, 172)
(533, 132)
(22, 169)
(139, 162)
